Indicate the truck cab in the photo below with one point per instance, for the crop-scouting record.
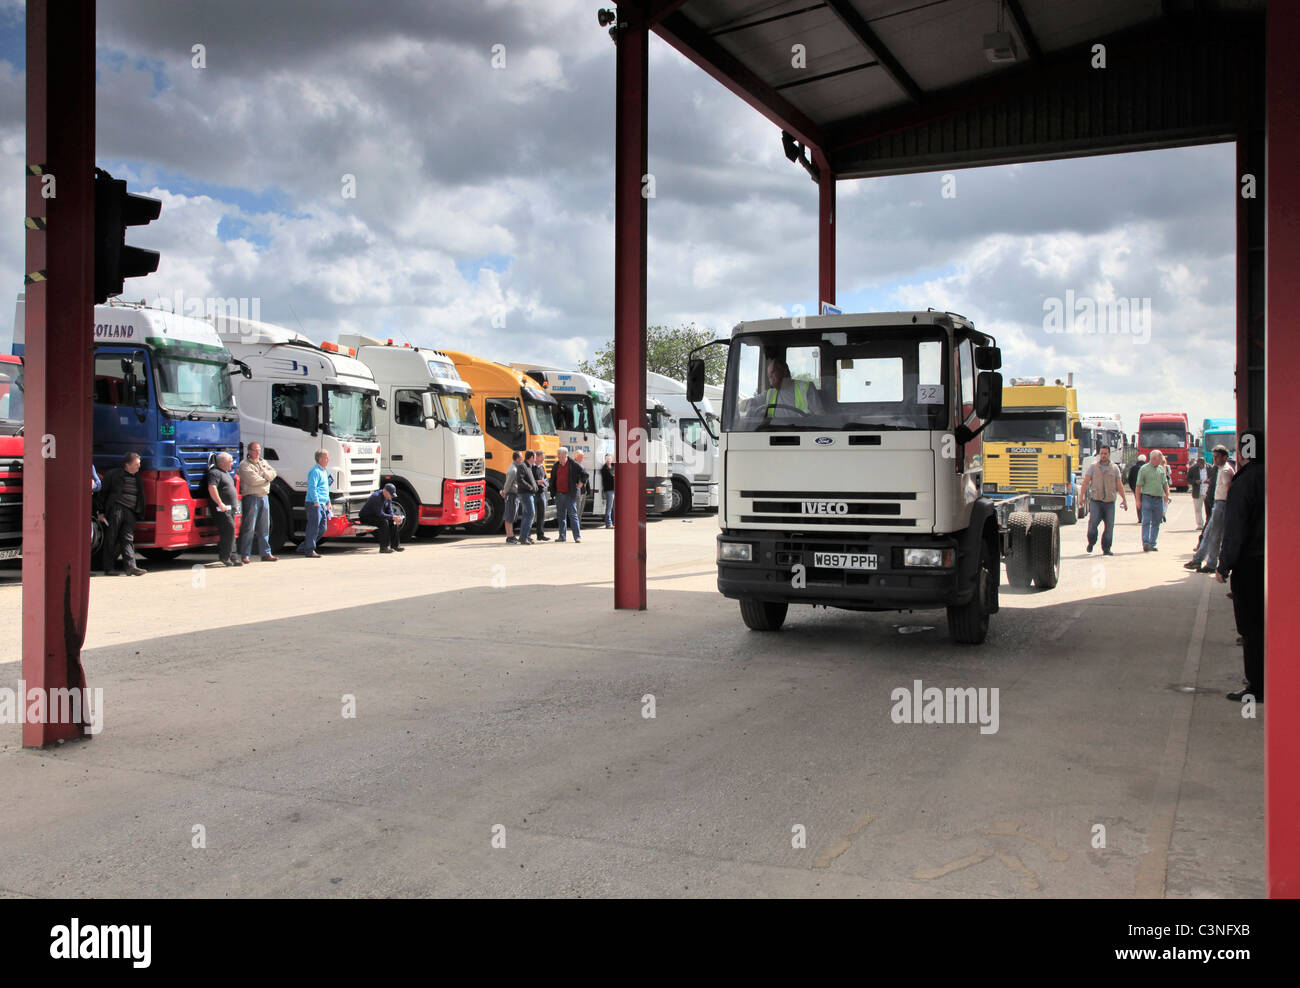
(852, 471)
(299, 397)
(1167, 432)
(1035, 447)
(693, 453)
(11, 457)
(431, 442)
(517, 414)
(1216, 432)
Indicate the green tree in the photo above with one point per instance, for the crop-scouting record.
(667, 350)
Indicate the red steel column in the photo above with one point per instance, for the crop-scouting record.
(59, 313)
(1282, 753)
(631, 162)
(825, 231)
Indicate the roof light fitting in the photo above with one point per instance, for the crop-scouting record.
(1000, 45)
(799, 153)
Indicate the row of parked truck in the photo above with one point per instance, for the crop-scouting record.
(438, 424)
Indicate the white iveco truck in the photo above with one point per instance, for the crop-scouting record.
(299, 398)
(851, 471)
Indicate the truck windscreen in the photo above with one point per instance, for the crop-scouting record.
(1038, 426)
(459, 413)
(541, 417)
(1163, 435)
(877, 378)
(351, 414)
(194, 379)
(11, 398)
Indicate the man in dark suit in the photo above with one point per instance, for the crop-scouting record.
(1241, 556)
(119, 504)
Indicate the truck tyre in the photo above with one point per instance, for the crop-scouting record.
(1068, 516)
(494, 509)
(968, 623)
(761, 615)
(410, 508)
(681, 499)
(1045, 549)
(279, 528)
(1020, 566)
(160, 555)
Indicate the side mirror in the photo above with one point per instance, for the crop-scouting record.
(382, 403)
(695, 380)
(1078, 430)
(988, 358)
(311, 419)
(427, 409)
(988, 396)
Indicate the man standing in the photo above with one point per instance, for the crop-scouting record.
(567, 478)
(1103, 480)
(380, 511)
(526, 486)
(1242, 556)
(255, 476)
(539, 499)
(221, 492)
(1133, 483)
(607, 482)
(1196, 481)
(1206, 558)
(318, 504)
(509, 490)
(1153, 489)
(119, 504)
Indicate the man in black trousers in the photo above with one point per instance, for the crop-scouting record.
(1242, 556)
(119, 504)
(382, 511)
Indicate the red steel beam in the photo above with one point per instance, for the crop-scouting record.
(1282, 749)
(825, 230)
(60, 312)
(631, 165)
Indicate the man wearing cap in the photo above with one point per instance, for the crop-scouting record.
(380, 511)
(1242, 558)
(1206, 557)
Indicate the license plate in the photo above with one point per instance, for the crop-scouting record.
(844, 560)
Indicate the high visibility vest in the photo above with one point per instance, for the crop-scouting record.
(800, 397)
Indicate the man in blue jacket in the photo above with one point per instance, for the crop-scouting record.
(318, 504)
(380, 511)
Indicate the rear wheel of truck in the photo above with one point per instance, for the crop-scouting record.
(681, 498)
(1045, 549)
(493, 520)
(411, 509)
(1020, 565)
(968, 623)
(279, 533)
(762, 615)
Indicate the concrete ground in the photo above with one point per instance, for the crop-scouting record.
(499, 700)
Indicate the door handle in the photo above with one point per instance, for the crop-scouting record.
(397, 456)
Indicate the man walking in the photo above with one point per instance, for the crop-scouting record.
(1153, 489)
(526, 486)
(119, 504)
(255, 476)
(1133, 483)
(1196, 481)
(607, 482)
(1206, 558)
(1242, 557)
(221, 492)
(318, 504)
(539, 499)
(567, 479)
(1103, 480)
(509, 490)
(381, 511)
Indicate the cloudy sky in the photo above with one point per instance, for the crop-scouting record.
(483, 213)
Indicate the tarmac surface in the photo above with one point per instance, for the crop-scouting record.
(501, 744)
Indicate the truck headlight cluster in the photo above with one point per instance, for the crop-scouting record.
(180, 512)
(455, 497)
(1060, 488)
(930, 558)
(735, 552)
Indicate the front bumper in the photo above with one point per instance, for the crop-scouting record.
(658, 497)
(1038, 501)
(782, 570)
(462, 503)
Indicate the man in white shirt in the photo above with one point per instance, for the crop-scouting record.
(1207, 556)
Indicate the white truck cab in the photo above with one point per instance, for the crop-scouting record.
(692, 448)
(431, 440)
(302, 397)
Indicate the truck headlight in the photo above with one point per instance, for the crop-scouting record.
(337, 508)
(1060, 488)
(180, 512)
(455, 497)
(932, 558)
(735, 552)
(990, 488)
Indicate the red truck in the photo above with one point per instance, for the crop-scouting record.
(1167, 432)
(11, 457)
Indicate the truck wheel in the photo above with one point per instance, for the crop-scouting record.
(279, 533)
(494, 509)
(412, 511)
(1068, 516)
(760, 615)
(968, 623)
(1045, 548)
(1020, 566)
(681, 498)
(160, 555)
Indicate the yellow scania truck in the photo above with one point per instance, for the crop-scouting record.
(1033, 447)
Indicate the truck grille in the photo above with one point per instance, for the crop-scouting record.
(194, 461)
(472, 467)
(11, 503)
(363, 475)
(1024, 471)
(473, 490)
(875, 508)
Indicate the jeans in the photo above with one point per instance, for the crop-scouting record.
(316, 518)
(566, 514)
(1153, 513)
(1098, 512)
(527, 509)
(609, 508)
(1208, 551)
(256, 531)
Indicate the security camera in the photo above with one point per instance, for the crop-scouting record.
(606, 17)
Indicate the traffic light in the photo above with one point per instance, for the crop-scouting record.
(115, 210)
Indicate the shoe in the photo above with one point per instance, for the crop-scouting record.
(1236, 696)
(1146, 548)
(1204, 569)
(543, 538)
(236, 562)
(561, 540)
(384, 549)
(512, 541)
(226, 562)
(527, 542)
(1089, 549)
(577, 540)
(137, 571)
(244, 560)
(399, 548)
(1154, 549)
(1193, 565)
(1107, 552)
(313, 555)
(270, 559)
